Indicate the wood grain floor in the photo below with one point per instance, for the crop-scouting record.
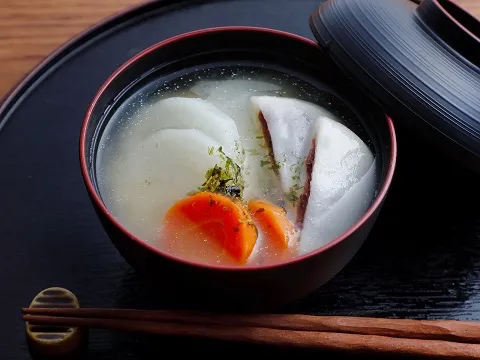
(31, 29)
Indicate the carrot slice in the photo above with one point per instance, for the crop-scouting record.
(223, 219)
(273, 222)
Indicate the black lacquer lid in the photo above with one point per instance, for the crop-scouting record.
(420, 62)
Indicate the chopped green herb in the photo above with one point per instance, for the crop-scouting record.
(221, 154)
(253, 152)
(275, 166)
(239, 147)
(210, 150)
(293, 195)
(264, 162)
(224, 178)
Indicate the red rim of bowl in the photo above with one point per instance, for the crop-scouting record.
(98, 201)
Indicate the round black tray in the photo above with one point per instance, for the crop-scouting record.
(422, 259)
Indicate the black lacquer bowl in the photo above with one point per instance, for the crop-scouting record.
(238, 287)
(420, 65)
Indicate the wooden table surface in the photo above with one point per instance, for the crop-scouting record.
(31, 30)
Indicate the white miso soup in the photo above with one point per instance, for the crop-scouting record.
(235, 165)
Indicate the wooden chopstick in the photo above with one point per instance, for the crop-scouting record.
(279, 337)
(448, 330)
(441, 339)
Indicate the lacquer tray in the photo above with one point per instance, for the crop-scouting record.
(421, 261)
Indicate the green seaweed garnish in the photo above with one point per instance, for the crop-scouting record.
(275, 166)
(253, 152)
(293, 194)
(224, 178)
(272, 165)
(264, 162)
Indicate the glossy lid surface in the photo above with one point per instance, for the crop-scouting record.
(420, 62)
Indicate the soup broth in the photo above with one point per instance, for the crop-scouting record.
(235, 165)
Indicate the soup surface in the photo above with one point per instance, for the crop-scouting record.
(235, 165)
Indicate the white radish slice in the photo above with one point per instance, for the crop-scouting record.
(162, 169)
(189, 113)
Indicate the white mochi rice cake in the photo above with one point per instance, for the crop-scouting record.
(286, 125)
(327, 173)
(341, 181)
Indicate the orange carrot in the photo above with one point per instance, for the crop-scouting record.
(273, 222)
(223, 219)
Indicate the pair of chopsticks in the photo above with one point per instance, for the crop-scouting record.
(444, 339)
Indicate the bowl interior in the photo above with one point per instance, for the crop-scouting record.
(219, 48)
